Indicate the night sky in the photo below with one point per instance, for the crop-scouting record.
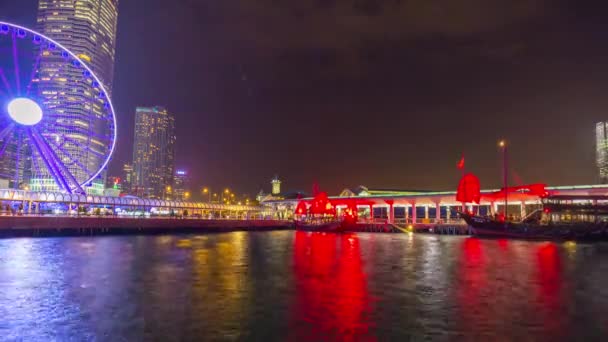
(386, 94)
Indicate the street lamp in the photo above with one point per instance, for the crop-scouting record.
(206, 191)
(226, 192)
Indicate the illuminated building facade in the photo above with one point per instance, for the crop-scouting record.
(601, 149)
(276, 185)
(88, 29)
(181, 191)
(153, 153)
(127, 178)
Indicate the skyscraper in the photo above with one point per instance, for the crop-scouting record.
(127, 177)
(85, 27)
(153, 152)
(88, 29)
(601, 149)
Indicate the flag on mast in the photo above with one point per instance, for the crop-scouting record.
(460, 164)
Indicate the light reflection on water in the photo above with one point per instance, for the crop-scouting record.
(301, 286)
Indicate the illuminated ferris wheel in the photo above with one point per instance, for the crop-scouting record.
(57, 123)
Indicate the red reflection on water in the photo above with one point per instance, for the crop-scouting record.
(333, 300)
(472, 282)
(549, 272)
(549, 282)
(503, 244)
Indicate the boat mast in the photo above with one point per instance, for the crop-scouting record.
(503, 146)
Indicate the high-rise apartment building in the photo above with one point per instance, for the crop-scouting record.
(88, 29)
(601, 149)
(153, 152)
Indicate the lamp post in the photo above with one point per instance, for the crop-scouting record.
(503, 145)
(206, 191)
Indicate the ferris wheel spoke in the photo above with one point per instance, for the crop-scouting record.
(57, 161)
(36, 163)
(33, 75)
(7, 85)
(16, 64)
(6, 130)
(18, 157)
(74, 160)
(53, 170)
(4, 146)
(88, 148)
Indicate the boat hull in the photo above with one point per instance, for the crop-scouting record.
(332, 227)
(484, 227)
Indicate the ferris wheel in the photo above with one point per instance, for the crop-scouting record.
(57, 123)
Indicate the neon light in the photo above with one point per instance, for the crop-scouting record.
(24, 111)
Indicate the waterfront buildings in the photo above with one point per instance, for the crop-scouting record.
(425, 207)
(601, 148)
(153, 153)
(181, 186)
(88, 29)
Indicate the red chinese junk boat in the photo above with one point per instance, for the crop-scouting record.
(557, 216)
(320, 214)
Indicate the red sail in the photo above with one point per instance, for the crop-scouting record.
(321, 205)
(468, 189)
(301, 209)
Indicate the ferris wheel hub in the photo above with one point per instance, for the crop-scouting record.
(24, 111)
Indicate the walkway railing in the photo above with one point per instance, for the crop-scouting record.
(127, 201)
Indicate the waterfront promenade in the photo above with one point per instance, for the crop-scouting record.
(11, 226)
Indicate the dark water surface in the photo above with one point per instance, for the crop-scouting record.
(301, 286)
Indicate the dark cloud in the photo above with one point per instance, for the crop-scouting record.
(271, 24)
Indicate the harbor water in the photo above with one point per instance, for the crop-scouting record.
(300, 286)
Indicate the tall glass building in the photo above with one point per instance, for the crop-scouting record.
(153, 152)
(88, 29)
(601, 148)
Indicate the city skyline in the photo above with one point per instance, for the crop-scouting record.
(399, 119)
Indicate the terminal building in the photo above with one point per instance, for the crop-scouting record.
(415, 206)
